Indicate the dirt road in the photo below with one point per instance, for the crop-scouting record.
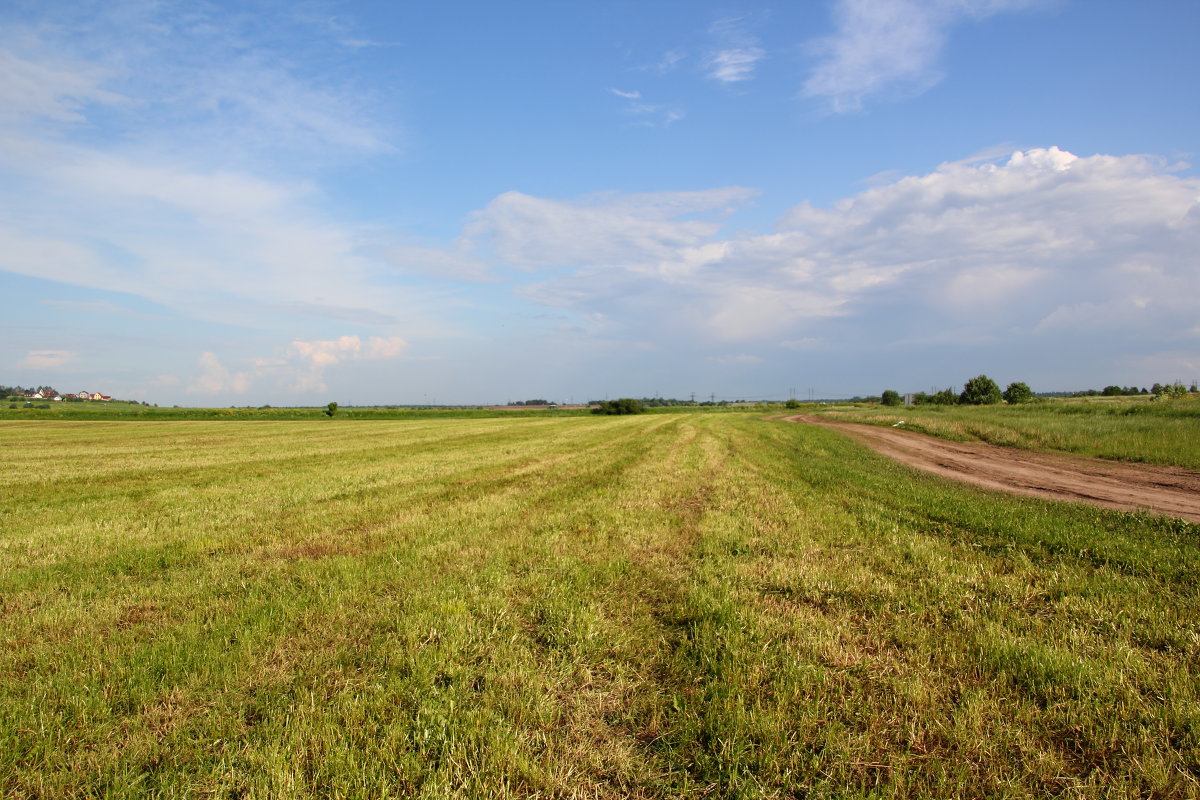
(1111, 484)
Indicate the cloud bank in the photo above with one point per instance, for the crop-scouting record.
(1043, 241)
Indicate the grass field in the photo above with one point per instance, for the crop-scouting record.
(670, 605)
(106, 411)
(1120, 428)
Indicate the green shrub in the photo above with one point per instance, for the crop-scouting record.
(946, 397)
(1018, 392)
(625, 405)
(890, 397)
(980, 391)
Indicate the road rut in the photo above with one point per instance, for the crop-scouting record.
(1170, 491)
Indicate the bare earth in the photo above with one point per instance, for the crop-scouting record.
(1164, 490)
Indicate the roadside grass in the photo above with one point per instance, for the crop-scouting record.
(653, 606)
(1123, 429)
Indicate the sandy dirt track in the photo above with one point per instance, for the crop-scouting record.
(1164, 490)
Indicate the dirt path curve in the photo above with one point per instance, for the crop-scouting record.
(1111, 484)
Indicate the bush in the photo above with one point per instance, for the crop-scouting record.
(946, 397)
(792, 403)
(890, 397)
(1018, 392)
(625, 405)
(980, 391)
(1169, 391)
(330, 409)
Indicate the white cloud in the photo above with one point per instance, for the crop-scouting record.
(653, 115)
(49, 89)
(1043, 240)
(667, 63)
(734, 64)
(178, 81)
(882, 46)
(316, 356)
(46, 359)
(300, 367)
(638, 232)
(736, 55)
(215, 378)
(324, 353)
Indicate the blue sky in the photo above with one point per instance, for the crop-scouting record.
(464, 202)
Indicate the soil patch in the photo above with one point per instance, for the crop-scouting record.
(1111, 484)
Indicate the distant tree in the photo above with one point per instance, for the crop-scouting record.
(1156, 389)
(1170, 391)
(980, 391)
(1112, 391)
(1193, 390)
(331, 409)
(625, 405)
(792, 403)
(1017, 392)
(890, 397)
(946, 397)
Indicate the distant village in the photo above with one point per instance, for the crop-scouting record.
(49, 393)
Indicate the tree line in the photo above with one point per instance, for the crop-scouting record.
(982, 390)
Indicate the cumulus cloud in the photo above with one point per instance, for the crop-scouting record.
(1039, 241)
(882, 46)
(327, 352)
(46, 359)
(215, 378)
(299, 367)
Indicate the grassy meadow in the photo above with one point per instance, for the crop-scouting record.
(658, 606)
(1120, 428)
(125, 411)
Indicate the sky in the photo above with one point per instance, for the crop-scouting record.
(291, 203)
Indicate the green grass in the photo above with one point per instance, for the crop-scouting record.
(669, 605)
(1124, 429)
(136, 412)
(123, 411)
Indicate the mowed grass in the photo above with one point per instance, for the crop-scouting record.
(658, 606)
(1124, 429)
